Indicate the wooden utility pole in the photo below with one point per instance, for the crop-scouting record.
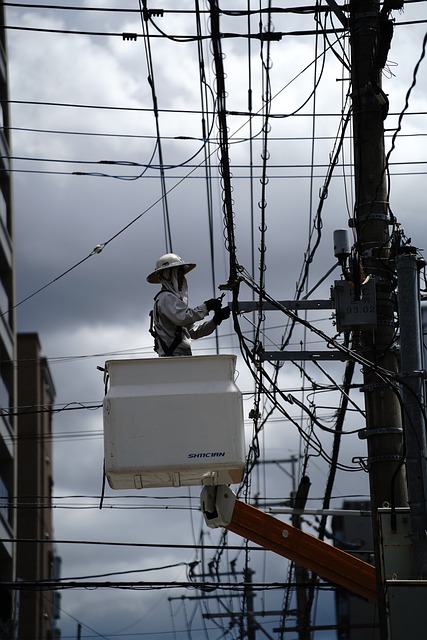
(370, 32)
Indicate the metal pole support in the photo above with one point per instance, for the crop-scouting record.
(413, 397)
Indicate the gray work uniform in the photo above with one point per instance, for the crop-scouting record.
(171, 312)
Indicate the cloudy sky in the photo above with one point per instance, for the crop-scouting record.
(85, 143)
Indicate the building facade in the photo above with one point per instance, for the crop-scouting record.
(36, 559)
(8, 465)
(357, 619)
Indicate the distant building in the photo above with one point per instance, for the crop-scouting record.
(7, 356)
(38, 609)
(357, 619)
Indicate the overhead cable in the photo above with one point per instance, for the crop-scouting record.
(151, 82)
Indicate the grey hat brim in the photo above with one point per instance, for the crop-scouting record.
(153, 278)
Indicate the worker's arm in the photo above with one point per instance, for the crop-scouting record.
(202, 329)
(178, 313)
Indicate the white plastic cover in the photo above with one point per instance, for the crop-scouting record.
(173, 422)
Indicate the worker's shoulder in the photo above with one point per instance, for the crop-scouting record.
(163, 295)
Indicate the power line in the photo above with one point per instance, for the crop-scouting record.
(142, 586)
(144, 545)
(278, 35)
(301, 138)
(83, 9)
(188, 165)
(75, 105)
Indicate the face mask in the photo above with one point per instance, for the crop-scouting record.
(170, 281)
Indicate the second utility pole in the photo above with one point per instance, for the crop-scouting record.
(370, 33)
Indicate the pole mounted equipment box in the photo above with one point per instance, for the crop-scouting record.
(171, 422)
(351, 313)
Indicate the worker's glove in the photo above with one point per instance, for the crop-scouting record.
(214, 304)
(221, 314)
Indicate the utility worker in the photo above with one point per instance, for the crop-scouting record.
(172, 320)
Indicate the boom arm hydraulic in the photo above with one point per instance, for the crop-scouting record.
(222, 509)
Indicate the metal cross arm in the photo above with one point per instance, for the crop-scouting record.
(297, 356)
(294, 305)
(222, 509)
